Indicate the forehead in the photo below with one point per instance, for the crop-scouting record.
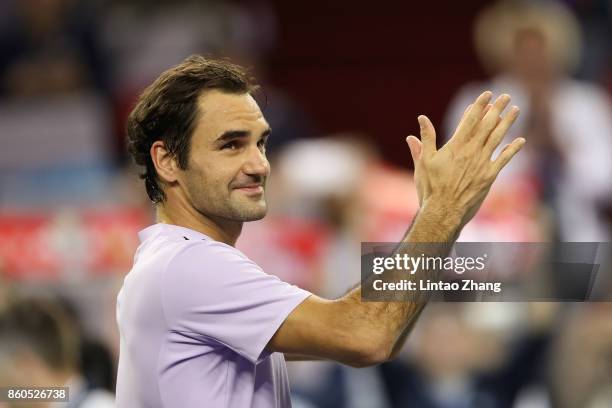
(220, 111)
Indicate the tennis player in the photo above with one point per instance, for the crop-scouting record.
(202, 325)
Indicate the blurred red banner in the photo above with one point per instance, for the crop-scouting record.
(69, 244)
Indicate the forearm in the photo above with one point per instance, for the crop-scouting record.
(399, 343)
(452, 183)
(301, 357)
(388, 323)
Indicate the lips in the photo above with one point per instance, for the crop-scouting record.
(251, 188)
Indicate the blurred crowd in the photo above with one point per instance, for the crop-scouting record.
(71, 202)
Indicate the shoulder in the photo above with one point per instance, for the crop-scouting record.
(207, 253)
(211, 278)
(207, 265)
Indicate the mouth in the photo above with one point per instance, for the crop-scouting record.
(252, 189)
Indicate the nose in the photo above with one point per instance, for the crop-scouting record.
(257, 163)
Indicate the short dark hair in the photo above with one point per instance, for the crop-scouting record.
(167, 110)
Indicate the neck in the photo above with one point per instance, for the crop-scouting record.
(217, 228)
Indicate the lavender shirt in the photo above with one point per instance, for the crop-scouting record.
(194, 317)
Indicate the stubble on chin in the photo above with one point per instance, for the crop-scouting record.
(253, 211)
(245, 209)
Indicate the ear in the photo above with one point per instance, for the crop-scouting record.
(164, 162)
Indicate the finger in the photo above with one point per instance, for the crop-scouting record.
(465, 113)
(428, 135)
(508, 153)
(501, 129)
(467, 110)
(471, 117)
(416, 148)
(485, 110)
(489, 121)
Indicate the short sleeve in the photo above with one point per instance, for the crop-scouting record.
(214, 291)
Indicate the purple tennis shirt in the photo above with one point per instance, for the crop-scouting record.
(194, 318)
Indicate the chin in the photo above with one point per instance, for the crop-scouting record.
(258, 215)
(253, 213)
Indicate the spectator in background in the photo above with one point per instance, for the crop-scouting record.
(581, 367)
(460, 356)
(146, 37)
(94, 357)
(39, 347)
(567, 123)
(54, 81)
(50, 47)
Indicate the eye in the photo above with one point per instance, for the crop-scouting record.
(230, 145)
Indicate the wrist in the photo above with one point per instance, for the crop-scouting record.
(446, 217)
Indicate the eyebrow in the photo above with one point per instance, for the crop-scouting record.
(237, 134)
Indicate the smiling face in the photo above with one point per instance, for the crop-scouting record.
(227, 169)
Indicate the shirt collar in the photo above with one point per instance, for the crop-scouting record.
(170, 229)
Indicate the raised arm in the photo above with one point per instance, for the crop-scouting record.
(452, 183)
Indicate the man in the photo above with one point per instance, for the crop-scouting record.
(203, 326)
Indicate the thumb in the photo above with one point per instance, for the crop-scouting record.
(416, 147)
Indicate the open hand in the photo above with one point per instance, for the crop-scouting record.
(460, 174)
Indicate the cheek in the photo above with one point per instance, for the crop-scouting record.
(196, 179)
(213, 179)
(215, 172)
(225, 171)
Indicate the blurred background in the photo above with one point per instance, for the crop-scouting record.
(343, 84)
